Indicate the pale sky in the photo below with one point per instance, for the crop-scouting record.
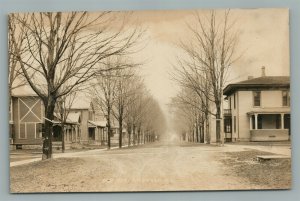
(263, 41)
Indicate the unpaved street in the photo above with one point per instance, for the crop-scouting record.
(154, 167)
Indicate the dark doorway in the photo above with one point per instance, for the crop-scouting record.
(56, 133)
(91, 133)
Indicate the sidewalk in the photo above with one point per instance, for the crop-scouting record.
(275, 149)
(62, 155)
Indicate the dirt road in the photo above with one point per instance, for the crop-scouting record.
(156, 167)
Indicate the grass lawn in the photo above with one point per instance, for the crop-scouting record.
(275, 173)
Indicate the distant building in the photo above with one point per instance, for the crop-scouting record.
(84, 125)
(26, 118)
(258, 109)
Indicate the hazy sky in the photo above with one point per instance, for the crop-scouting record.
(263, 41)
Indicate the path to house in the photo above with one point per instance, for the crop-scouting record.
(29, 156)
(150, 167)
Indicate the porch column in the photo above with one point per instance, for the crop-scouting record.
(66, 134)
(282, 120)
(76, 133)
(250, 122)
(255, 115)
(72, 129)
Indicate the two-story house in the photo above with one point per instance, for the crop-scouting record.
(259, 109)
(26, 118)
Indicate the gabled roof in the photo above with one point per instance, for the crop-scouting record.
(265, 82)
(73, 118)
(23, 91)
(81, 102)
(98, 123)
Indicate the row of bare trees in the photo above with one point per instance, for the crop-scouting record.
(55, 53)
(122, 97)
(201, 71)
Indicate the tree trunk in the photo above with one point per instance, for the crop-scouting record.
(197, 133)
(139, 135)
(62, 138)
(129, 134)
(134, 136)
(218, 124)
(47, 143)
(62, 116)
(120, 132)
(201, 129)
(108, 129)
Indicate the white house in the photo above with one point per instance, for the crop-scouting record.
(259, 109)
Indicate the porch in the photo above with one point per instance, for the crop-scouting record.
(97, 132)
(269, 126)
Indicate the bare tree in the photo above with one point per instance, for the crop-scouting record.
(104, 94)
(124, 90)
(193, 95)
(210, 52)
(154, 121)
(63, 107)
(188, 110)
(15, 40)
(64, 50)
(133, 107)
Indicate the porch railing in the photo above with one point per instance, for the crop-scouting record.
(227, 112)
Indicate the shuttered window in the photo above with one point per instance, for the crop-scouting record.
(256, 98)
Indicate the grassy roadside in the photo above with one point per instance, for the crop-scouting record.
(272, 174)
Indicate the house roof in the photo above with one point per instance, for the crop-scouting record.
(102, 124)
(73, 118)
(265, 82)
(81, 102)
(23, 91)
(273, 110)
(98, 123)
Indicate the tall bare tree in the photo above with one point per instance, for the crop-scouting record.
(63, 107)
(15, 77)
(104, 95)
(209, 54)
(64, 50)
(135, 108)
(124, 90)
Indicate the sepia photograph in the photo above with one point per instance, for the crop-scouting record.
(149, 100)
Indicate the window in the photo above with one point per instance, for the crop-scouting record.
(287, 121)
(256, 98)
(30, 130)
(91, 115)
(285, 98)
(11, 110)
(259, 121)
(229, 102)
(234, 123)
(278, 121)
(234, 101)
(227, 125)
(253, 121)
(22, 134)
(38, 130)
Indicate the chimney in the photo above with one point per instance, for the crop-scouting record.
(263, 71)
(250, 77)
